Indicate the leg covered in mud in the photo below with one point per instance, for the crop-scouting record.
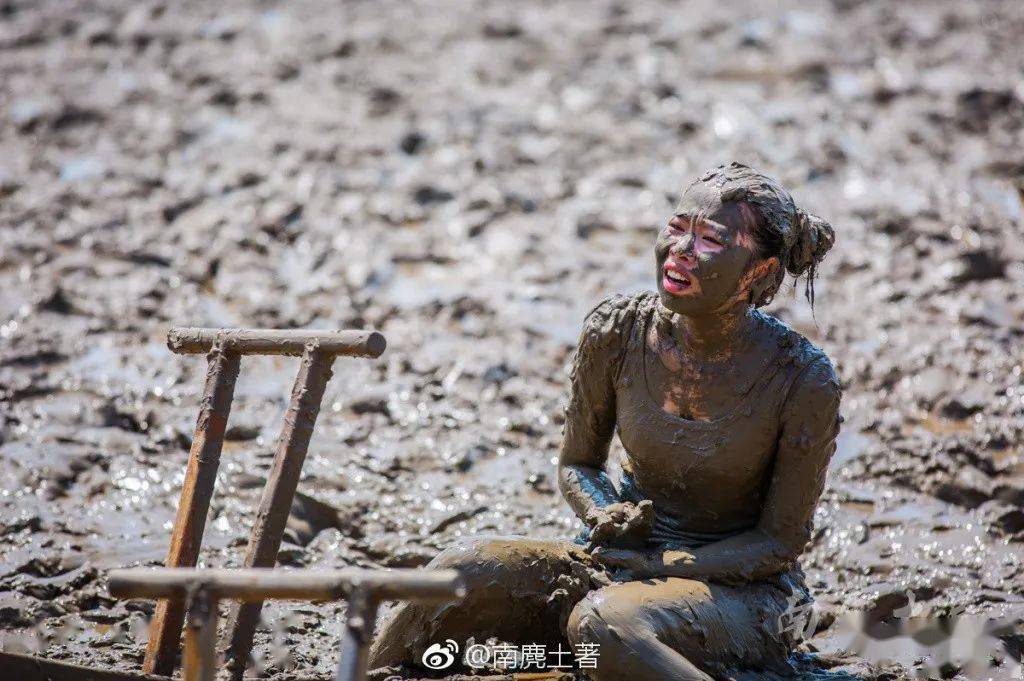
(518, 590)
(674, 628)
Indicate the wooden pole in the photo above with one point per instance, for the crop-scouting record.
(257, 584)
(351, 343)
(275, 505)
(200, 658)
(196, 492)
(356, 635)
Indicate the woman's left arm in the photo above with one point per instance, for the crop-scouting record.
(810, 424)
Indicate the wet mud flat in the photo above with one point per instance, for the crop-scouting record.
(470, 179)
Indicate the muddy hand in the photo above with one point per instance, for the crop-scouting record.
(621, 521)
(625, 565)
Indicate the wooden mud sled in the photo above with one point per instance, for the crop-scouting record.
(184, 591)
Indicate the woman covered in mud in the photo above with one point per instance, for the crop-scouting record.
(687, 568)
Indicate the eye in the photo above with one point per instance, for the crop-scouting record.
(712, 239)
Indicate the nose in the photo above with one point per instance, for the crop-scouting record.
(682, 249)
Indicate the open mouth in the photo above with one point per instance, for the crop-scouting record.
(676, 281)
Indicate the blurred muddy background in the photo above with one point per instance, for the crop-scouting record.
(470, 178)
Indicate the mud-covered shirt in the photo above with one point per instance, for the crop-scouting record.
(760, 464)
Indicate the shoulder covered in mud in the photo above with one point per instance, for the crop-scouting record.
(607, 327)
(817, 388)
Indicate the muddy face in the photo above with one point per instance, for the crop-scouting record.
(705, 254)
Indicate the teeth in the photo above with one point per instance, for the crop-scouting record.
(676, 277)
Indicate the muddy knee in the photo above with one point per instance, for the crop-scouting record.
(508, 589)
(481, 562)
(462, 554)
(613, 624)
(515, 564)
(633, 613)
(625, 630)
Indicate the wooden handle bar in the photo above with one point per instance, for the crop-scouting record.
(255, 584)
(353, 343)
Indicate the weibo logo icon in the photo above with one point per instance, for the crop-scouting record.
(440, 655)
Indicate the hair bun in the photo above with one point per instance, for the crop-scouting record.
(814, 238)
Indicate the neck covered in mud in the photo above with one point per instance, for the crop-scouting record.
(716, 335)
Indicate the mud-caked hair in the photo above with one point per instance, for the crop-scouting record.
(780, 228)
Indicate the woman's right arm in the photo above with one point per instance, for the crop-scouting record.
(590, 415)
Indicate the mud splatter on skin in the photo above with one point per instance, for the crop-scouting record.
(705, 324)
(707, 239)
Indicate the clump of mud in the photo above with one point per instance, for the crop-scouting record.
(470, 180)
